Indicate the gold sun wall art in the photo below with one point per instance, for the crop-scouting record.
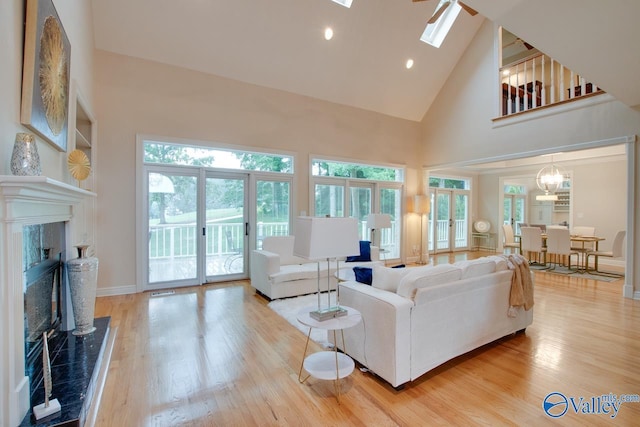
(45, 75)
(79, 165)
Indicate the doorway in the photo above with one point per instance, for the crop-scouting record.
(449, 220)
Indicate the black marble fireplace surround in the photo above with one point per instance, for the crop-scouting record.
(75, 364)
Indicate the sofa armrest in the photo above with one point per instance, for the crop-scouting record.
(265, 262)
(262, 265)
(382, 340)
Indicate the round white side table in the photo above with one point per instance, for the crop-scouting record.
(328, 365)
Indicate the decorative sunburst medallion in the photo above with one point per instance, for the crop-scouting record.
(54, 80)
(79, 165)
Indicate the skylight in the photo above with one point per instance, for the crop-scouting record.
(345, 3)
(435, 33)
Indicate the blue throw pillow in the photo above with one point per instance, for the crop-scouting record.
(363, 275)
(365, 252)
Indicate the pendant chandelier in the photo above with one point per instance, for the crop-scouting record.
(549, 180)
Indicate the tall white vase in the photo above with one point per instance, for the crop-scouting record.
(83, 280)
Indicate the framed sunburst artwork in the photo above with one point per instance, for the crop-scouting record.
(46, 74)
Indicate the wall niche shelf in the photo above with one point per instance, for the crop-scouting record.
(563, 204)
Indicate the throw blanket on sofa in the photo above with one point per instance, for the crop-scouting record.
(521, 284)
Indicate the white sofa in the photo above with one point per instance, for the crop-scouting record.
(415, 319)
(277, 273)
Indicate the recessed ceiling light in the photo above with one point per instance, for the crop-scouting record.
(328, 33)
(409, 63)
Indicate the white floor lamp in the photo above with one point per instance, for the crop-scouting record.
(422, 206)
(319, 238)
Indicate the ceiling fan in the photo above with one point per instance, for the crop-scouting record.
(519, 42)
(444, 5)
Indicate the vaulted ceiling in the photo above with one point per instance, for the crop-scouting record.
(279, 43)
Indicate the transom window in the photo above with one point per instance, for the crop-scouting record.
(356, 171)
(452, 183)
(187, 155)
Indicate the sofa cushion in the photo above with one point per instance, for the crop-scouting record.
(501, 262)
(432, 276)
(414, 273)
(363, 274)
(387, 278)
(476, 267)
(283, 246)
(291, 272)
(365, 252)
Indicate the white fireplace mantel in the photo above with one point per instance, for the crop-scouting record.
(27, 200)
(21, 192)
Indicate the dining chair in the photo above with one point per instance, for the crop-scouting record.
(509, 238)
(559, 245)
(583, 247)
(615, 252)
(531, 243)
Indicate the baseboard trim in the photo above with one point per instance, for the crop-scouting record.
(116, 290)
(628, 292)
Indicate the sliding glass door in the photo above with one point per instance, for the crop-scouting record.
(172, 217)
(226, 229)
(197, 224)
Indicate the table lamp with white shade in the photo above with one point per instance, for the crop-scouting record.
(377, 222)
(319, 238)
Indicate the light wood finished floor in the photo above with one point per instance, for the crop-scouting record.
(216, 355)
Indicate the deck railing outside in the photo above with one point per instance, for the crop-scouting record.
(442, 232)
(179, 240)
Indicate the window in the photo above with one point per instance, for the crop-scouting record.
(356, 170)
(187, 155)
(356, 190)
(462, 184)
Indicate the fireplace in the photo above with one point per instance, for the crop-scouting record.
(42, 260)
(28, 204)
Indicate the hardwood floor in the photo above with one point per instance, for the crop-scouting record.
(217, 355)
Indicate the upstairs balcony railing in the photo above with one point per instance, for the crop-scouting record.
(539, 81)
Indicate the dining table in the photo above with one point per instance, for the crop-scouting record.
(583, 240)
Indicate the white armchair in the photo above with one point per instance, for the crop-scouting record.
(277, 273)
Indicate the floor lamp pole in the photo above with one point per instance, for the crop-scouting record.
(421, 261)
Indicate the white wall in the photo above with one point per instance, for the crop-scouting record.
(459, 126)
(137, 96)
